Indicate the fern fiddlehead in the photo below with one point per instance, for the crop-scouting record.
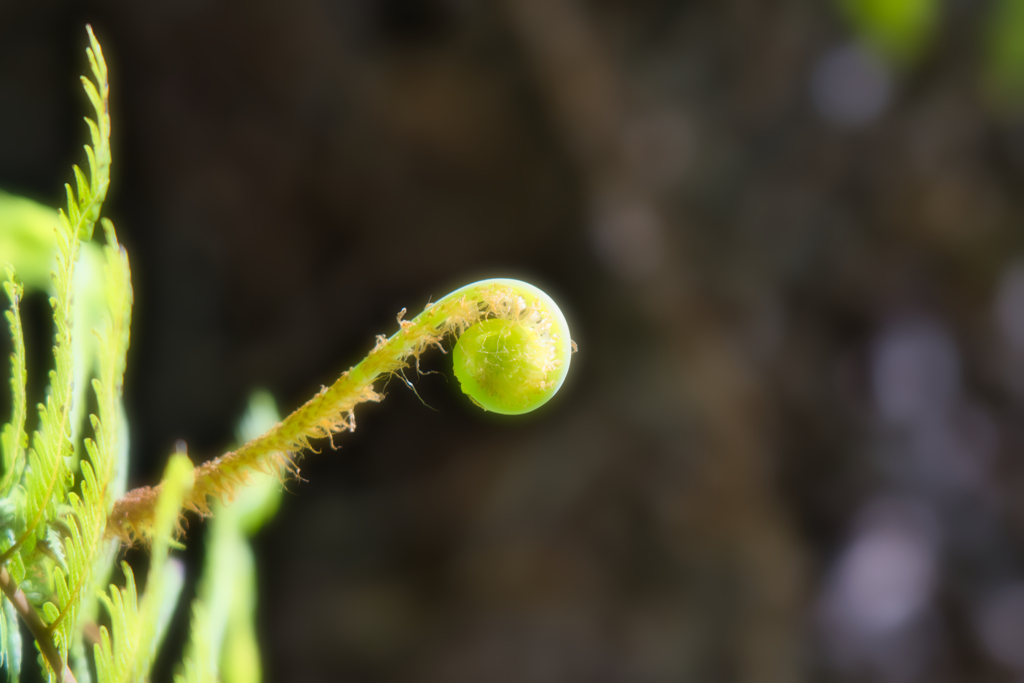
(514, 362)
(512, 356)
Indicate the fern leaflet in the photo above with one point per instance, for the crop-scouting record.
(13, 437)
(88, 522)
(47, 477)
(198, 664)
(10, 640)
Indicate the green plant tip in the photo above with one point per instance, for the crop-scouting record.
(516, 362)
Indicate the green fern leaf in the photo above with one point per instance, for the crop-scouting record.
(27, 242)
(85, 543)
(13, 437)
(88, 208)
(198, 664)
(227, 591)
(10, 641)
(47, 477)
(114, 654)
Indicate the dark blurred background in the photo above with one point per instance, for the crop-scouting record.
(786, 235)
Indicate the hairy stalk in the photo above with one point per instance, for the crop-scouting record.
(332, 410)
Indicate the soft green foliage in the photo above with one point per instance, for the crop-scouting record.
(91, 309)
(91, 297)
(47, 477)
(126, 652)
(1004, 64)
(14, 438)
(225, 608)
(88, 523)
(899, 29)
(28, 243)
(27, 240)
(63, 507)
(10, 641)
(902, 31)
(198, 666)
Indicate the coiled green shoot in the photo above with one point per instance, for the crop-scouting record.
(512, 356)
(514, 362)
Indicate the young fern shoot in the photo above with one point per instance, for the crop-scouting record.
(512, 356)
(57, 529)
(514, 362)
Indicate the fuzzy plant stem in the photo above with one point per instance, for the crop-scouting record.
(532, 345)
(35, 624)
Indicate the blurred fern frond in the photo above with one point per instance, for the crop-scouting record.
(126, 651)
(88, 521)
(47, 477)
(900, 30)
(53, 536)
(13, 437)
